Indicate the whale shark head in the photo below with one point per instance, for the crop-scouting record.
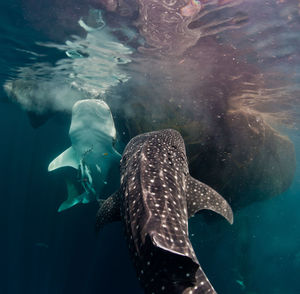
(92, 115)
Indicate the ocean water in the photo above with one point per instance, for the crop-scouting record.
(231, 55)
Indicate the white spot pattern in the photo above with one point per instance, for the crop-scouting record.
(154, 208)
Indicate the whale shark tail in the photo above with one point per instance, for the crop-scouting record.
(74, 196)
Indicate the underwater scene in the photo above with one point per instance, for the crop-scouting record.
(150, 146)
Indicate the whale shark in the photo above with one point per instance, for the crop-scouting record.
(156, 197)
(92, 154)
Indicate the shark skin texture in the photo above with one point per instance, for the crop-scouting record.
(155, 200)
(92, 154)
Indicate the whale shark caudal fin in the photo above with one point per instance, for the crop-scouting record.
(109, 210)
(200, 196)
(74, 197)
(67, 158)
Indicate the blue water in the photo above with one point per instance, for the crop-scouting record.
(42, 251)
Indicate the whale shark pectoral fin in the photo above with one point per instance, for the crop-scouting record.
(67, 158)
(109, 210)
(200, 196)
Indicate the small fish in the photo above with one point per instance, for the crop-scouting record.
(42, 245)
(241, 283)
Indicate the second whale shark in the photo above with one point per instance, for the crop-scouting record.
(155, 200)
(92, 154)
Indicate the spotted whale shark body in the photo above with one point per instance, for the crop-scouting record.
(155, 200)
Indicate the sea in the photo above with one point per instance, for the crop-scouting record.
(141, 56)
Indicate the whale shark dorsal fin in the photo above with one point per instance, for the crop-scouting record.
(67, 158)
(200, 196)
(109, 210)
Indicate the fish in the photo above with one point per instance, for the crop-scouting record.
(241, 283)
(92, 134)
(41, 245)
(156, 197)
